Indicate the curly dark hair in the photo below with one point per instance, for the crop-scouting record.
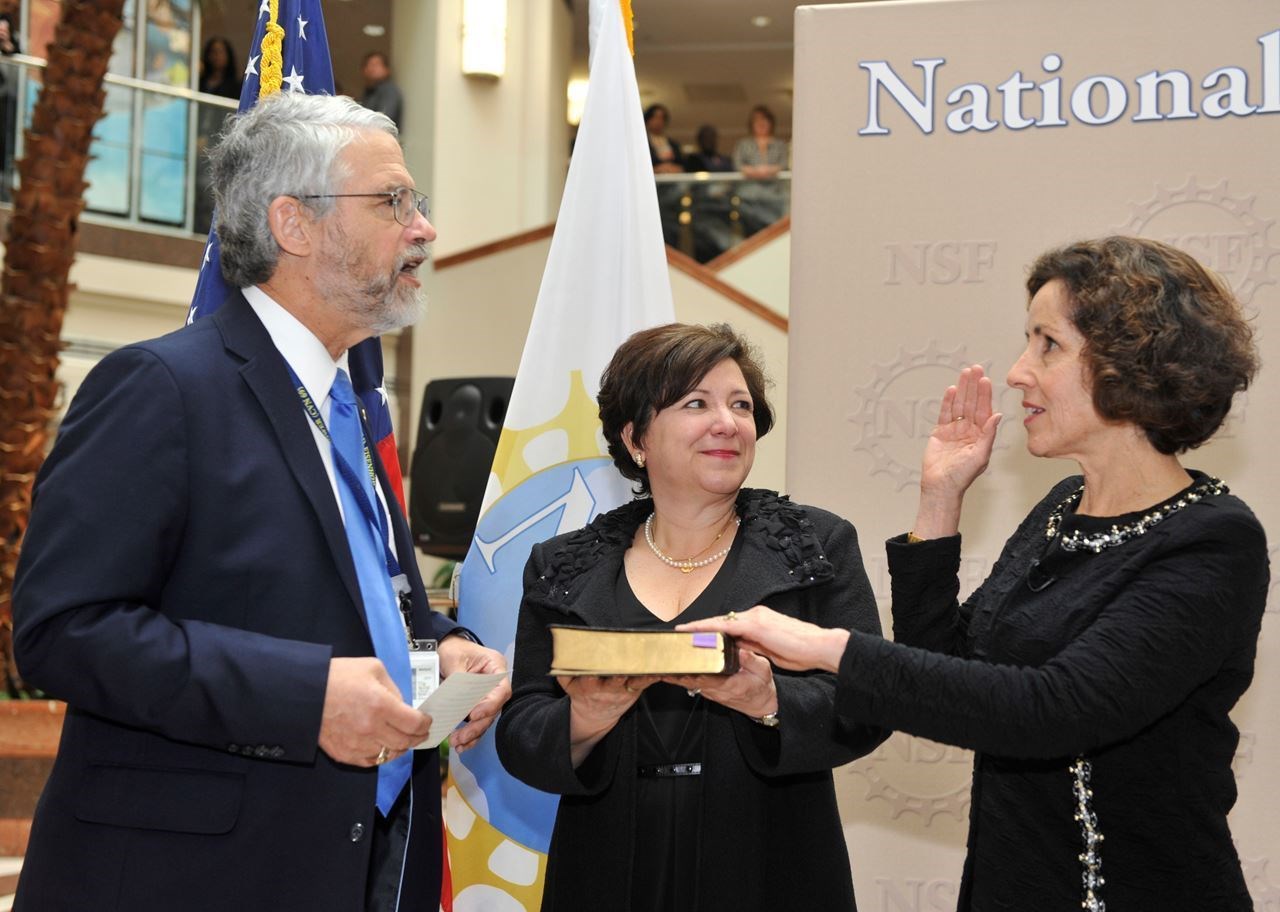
(655, 367)
(1166, 345)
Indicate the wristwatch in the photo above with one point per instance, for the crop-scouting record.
(768, 720)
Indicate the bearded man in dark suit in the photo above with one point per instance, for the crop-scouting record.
(187, 582)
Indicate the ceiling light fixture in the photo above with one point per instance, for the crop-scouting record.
(761, 21)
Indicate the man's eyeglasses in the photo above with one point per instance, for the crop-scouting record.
(403, 202)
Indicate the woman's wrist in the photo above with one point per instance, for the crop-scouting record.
(835, 642)
(937, 516)
(770, 706)
(582, 730)
(583, 737)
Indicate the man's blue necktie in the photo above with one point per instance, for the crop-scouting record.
(361, 511)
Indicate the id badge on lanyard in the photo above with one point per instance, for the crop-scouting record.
(424, 658)
(424, 667)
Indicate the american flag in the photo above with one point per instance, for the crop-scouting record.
(301, 64)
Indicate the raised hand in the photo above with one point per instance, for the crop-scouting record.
(958, 451)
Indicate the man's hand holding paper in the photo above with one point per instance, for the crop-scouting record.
(478, 693)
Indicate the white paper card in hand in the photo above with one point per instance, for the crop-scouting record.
(449, 704)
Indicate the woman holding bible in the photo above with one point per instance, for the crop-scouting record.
(720, 796)
(1094, 669)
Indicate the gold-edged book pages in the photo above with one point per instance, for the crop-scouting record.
(620, 651)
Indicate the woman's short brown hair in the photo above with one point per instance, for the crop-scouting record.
(1165, 343)
(764, 112)
(655, 367)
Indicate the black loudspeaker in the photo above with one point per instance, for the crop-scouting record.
(457, 436)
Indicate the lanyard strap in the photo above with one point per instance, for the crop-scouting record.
(372, 511)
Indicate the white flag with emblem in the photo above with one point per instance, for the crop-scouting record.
(606, 277)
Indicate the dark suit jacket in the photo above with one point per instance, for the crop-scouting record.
(183, 584)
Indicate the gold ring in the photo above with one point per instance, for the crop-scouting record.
(731, 616)
(628, 688)
(959, 418)
(383, 756)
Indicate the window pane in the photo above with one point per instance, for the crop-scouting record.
(164, 159)
(169, 42)
(108, 171)
(122, 49)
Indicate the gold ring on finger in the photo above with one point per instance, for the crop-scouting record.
(731, 616)
(383, 756)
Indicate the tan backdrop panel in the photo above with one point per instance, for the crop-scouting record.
(939, 146)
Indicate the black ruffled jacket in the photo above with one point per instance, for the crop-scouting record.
(771, 834)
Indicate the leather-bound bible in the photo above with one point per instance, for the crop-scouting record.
(614, 651)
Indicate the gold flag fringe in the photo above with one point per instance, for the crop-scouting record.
(272, 73)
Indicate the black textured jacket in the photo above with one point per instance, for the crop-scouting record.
(1131, 658)
(771, 835)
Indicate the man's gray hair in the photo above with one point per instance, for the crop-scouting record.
(286, 145)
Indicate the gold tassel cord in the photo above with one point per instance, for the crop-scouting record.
(629, 23)
(272, 72)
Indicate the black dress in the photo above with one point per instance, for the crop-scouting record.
(768, 827)
(1129, 658)
(670, 731)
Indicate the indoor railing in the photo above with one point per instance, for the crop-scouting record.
(705, 213)
(146, 166)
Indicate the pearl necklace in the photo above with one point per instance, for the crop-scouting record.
(688, 565)
(1118, 535)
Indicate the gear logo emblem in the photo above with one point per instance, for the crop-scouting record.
(1218, 229)
(896, 411)
(915, 776)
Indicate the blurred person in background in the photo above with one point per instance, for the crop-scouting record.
(663, 151)
(761, 156)
(380, 93)
(8, 94)
(708, 157)
(219, 75)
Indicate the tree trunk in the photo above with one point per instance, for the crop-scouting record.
(39, 251)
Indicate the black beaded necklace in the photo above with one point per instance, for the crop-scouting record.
(1118, 535)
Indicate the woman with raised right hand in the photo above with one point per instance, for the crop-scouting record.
(1093, 671)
